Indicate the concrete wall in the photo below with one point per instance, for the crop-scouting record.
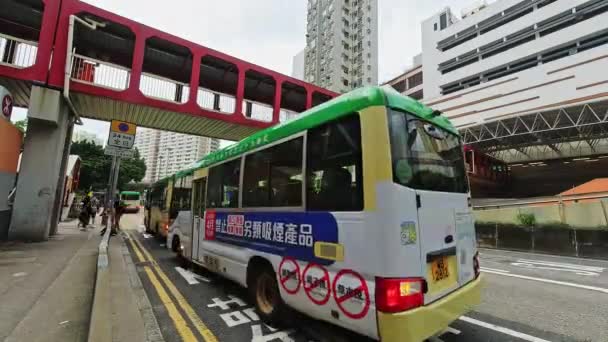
(589, 214)
(10, 149)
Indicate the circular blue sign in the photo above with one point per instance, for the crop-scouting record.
(123, 127)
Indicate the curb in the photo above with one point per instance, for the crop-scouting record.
(100, 325)
(151, 327)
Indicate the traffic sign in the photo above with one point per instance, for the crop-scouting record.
(124, 153)
(123, 127)
(122, 134)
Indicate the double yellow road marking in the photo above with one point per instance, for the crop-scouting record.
(180, 323)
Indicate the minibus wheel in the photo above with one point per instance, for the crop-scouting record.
(264, 292)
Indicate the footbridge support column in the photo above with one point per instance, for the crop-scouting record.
(43, 163)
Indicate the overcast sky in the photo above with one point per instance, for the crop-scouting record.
(270, 32)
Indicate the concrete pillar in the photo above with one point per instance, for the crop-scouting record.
(42, 166)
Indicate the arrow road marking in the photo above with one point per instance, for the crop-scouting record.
(191, 278)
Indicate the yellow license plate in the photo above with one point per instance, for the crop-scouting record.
(440, 269)
(211, 263)
(442, 273)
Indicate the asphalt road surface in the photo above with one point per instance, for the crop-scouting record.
(526, 297)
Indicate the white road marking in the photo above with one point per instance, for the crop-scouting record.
(586, 287)
(64, 322)
(19, 274)
(503, 330)
(483, 269)
(563, 265)
(191, 278)
(452, 331)
(163, 245)
(147, 236)
(551, 268)
(494, 252)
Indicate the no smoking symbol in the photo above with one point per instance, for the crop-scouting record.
(354, 299)
(316, 283)
(289, 275)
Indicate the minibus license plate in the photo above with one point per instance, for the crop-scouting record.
(440, 269)
(212, 263)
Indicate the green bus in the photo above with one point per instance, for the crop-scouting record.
(356, 212)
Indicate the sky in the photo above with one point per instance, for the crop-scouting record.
(270, 32)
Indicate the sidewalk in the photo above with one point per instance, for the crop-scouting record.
(46, 288)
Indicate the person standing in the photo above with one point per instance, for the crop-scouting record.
(119, 208)
(94, 208)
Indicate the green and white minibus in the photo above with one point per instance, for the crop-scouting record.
(356, 213)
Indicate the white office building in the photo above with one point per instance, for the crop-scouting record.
(297, 66)
(165, 153)
(342, 44)
(529, 74)
(410, 81)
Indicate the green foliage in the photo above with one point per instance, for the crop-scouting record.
(526, 219)
(21, 125)
(139, 187)
(95, 166)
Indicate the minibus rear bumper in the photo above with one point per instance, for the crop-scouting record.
(426, 321)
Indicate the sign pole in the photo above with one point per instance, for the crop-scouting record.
(109, 198)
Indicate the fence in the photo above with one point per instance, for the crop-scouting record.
(569, 225)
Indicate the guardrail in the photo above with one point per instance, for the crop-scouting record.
(94, 71)
(541, 200)
(286, 114)
(17, 52)
(162, 88)
(259, 111)
(216, 101)
(100, 326)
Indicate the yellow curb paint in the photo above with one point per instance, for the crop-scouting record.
(200, 326)
(180, 324)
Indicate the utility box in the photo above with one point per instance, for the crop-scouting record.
(45, 105)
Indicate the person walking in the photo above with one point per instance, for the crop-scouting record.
(94, 208)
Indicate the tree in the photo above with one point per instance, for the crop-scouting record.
(95, 166)
(21, 125)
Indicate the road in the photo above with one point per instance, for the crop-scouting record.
(527, 297)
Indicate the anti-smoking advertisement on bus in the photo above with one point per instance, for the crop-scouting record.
(285, 234)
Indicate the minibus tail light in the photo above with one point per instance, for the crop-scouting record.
(397, 295)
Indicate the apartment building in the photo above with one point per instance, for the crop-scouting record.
(342, 44)
(166, 153)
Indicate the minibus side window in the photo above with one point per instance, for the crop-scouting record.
(223, 186)
(334, 172)
(273, 176)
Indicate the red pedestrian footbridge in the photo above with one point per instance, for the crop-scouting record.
(110, 67)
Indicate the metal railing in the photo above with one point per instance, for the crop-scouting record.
(509, 203)
(286, 114)
(259, 111)
(216, 101)
(162, 88)
(17, 52)
(105, 74)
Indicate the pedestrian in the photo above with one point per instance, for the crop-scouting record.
(85, 212)
(94, 208)
(119, 208)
